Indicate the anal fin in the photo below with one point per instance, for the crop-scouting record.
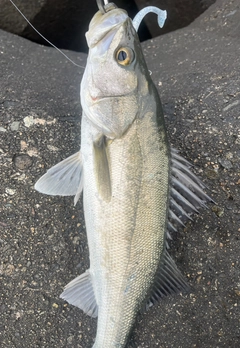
(79, 292)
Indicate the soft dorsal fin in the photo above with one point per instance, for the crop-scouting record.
(168, 280)
(79, 292)
(63, 179)
(101, 168)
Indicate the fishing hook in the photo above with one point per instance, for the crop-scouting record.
(101, 5)
(104, 6)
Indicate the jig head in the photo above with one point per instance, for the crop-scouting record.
(104, 6)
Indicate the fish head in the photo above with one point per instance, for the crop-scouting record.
(114, 80)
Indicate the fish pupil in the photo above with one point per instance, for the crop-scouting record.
(122, 55)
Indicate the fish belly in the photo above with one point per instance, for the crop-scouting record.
(126, 234)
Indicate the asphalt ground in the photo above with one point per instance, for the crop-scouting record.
(43, 241)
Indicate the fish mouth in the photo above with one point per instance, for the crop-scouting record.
(100, 98)
(97, 99)
(94, 98)
(101, 25)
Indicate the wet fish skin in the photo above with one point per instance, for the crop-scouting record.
(125, 171)
(125, 234)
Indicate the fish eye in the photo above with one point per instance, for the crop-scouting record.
(124, 56)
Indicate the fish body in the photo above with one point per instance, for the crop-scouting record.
(126, 169)
(125, 230)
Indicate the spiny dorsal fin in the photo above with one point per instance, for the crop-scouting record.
(63, 179)
(79, 292)
(186, 192)
(101, 168)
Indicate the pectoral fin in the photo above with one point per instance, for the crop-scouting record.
(79, 292)
(101, 168)
(63, 179)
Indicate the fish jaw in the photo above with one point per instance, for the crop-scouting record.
(108, 123)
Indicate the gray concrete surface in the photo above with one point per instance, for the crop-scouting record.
(42, 239)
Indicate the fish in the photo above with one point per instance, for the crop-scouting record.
(137, 189)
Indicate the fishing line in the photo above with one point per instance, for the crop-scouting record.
(70, 60)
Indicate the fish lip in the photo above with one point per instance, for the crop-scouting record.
(94, 99)
(97, 99)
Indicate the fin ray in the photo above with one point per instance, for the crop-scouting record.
(80, 293)
(186, 193)
(63, 179)
(168, 279)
